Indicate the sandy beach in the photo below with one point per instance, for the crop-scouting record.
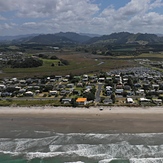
(79, 120)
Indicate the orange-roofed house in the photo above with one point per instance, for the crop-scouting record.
(81, 101)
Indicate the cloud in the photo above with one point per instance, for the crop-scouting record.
(5, 26)
(135, 16)
(2, 18)
(156, 3)
(50, 16)
(56, 8)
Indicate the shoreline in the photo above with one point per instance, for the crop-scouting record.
(79, 110)
(110, 120)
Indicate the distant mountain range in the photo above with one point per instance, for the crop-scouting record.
(75, 38)
(126, 38)
(11, 38)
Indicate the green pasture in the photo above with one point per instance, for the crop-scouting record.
(78, 64)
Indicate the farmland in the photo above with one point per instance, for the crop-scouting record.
(79, 63)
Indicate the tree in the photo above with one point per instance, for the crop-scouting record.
(74, 103)
(27, 63)
(52, 65)
(90, 96)
(113, 97)
(53, 57)
(64, 62)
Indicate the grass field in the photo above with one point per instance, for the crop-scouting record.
(79, 63)
(29, 102)
(151, 55)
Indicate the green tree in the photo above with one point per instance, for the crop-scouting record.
(113, 97)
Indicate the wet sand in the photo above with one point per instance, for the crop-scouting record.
(29, 121)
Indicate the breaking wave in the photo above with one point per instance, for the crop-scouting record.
(82, 147)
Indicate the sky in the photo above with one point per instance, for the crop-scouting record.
(19, 17)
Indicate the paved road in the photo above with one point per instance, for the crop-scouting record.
(98, 92)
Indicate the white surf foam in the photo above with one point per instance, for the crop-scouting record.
(146, 160)
(95, 146)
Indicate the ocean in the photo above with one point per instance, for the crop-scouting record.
(83, 148)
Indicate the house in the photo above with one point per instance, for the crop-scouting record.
(144, 101)
(70, 85)
(81, 101)
(85, 79)
(101, 79)
(119, 86)
(108, 92)
(79, 85)
(23, 90)
(108, 101)
(129, 100)
(127, 87)
(65, 80)
(22, 81)
(29, 93)
(157, 101)
(140, 92)
(76, 92)
(66, 100)
(53, 93)
(58, 77)
(119, 92)
(155, 86)
(109, 79)
(2, 87)
(108, 88)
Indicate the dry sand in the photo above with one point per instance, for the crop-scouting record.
(79, 120)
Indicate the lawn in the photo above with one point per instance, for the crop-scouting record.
(29, 102)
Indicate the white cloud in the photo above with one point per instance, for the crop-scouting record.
(136, 16)
(55, 8)
(156, 3)
(5, 26)
(50, 16)
(2, 18)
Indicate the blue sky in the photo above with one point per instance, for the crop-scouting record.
(81, 16)
(116, 3)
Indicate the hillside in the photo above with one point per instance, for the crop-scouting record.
(71, 38)
(49, 39)
(21, 37)
(126, 38)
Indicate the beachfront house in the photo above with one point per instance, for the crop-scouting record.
(157, 101)
(108, 101)
(81, 101)
(144, 101)
(66, 100)
(129, 100)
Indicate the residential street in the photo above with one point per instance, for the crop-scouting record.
(98, 92)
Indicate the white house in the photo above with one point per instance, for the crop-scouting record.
(130, 100)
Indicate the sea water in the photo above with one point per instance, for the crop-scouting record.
(83, 148)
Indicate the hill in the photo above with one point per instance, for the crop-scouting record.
(49, 39)
(126, 38)
(58, 38)
(11, 38)
(74, 36)
(71, 38)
